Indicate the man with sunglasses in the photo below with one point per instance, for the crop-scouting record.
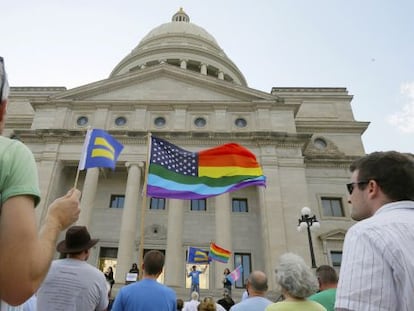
(377, 269)
(25, 254)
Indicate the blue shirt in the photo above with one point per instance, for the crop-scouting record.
(252, 304)
(145, 295)
(195, 277)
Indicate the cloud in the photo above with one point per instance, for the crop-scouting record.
(404, 119)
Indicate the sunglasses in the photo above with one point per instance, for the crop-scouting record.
(351, 185)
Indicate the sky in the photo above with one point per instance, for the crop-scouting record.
(366, 46)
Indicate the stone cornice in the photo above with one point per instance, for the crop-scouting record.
(321, 162)
(190, 53)
(37, 89)
(331, 126)
(342, 90)
(169, 105)
(279, 139)
(107, 85)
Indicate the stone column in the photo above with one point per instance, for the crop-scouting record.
(129, 222)
(88, 196)
(223, 234)
(203, 69)
(265, 237)
(221, 75)
(49, 171)
(183, 64)
(174, 259)
(49, 174)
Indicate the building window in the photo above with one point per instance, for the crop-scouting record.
(200, 122)
(198, 205)
(240, 122)
(245, 260)
(159, 121)
(117, 201)
(320, 143)
(336, 258)
(108, 252)
(120, 121)
(239, 206)
(108, 258)
(157, 203)
(82, 121)
(332, 207)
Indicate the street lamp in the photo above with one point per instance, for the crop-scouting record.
(310, 223)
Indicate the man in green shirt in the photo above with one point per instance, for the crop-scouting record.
(328, 280)
(25, 253)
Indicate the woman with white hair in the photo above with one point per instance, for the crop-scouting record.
(297, 282)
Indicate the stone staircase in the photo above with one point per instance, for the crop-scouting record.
(217, 293)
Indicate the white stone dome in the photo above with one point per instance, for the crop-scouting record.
(179, 29)
(183, 44)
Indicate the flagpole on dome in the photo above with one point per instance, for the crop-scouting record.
(83, 155)
(144, 205)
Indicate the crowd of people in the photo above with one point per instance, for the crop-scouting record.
(377, 271)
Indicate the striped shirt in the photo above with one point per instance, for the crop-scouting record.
(377, 270)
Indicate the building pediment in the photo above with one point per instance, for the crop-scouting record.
(333, 235)
(163, 82)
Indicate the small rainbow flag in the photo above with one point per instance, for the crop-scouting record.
(218, 254)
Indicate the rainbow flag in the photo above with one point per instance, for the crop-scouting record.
(99, 150)
(180, 174)
(235, 274)
(218, 254)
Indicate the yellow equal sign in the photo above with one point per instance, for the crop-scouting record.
(200, 256)
(102, 148)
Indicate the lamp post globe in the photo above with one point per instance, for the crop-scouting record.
(308, 222)
(306, 211)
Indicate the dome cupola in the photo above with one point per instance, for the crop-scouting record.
(183, 44)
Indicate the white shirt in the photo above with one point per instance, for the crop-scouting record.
(29, 305)
(377, 270)
(73, 285)
(191, 305)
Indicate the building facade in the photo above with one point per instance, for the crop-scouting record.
(179, 85)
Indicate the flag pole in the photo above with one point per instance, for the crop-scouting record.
(76, 178)
(83, 155)
(144, 205)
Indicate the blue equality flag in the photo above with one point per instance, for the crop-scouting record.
(99, 150)
(197, 256)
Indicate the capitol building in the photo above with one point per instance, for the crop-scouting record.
(178, 84)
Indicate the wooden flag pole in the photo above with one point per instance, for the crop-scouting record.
(76, 179)
(144, 206)
(83, 153)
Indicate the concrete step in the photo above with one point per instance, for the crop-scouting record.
(184, 293)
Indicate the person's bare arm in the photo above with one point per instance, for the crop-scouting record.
(25, 255)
